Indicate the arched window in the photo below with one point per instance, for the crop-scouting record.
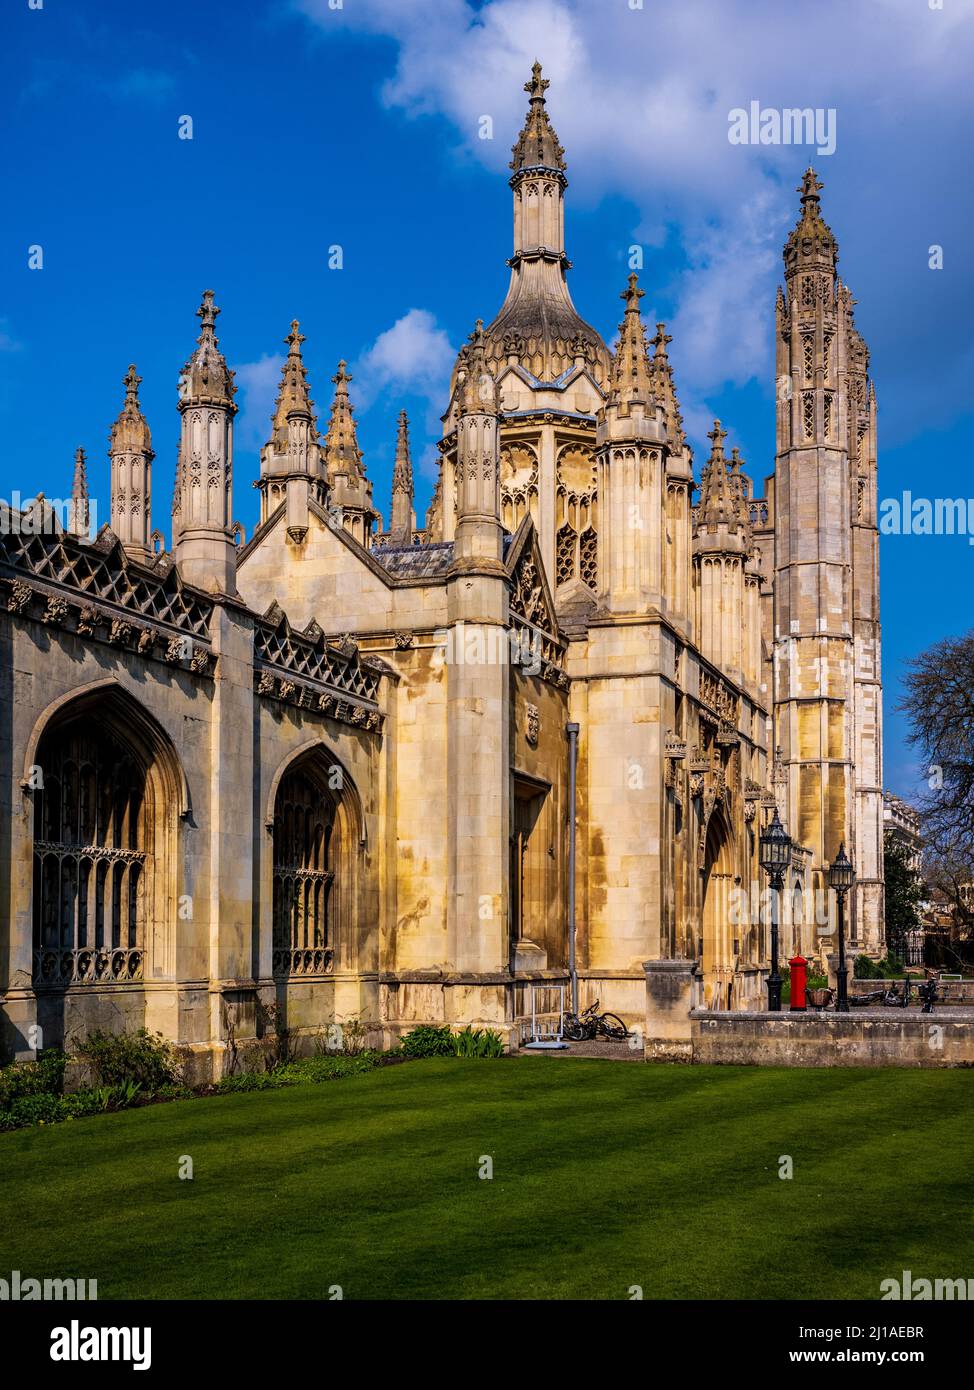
(304, 874)
(92, 824)
(519, 484)
(576, 539)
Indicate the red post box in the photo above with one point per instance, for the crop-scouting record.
(799, 980)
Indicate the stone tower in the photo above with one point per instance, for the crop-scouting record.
(350, 490)
(79, 513)
(478, 681)
(631, 462)
(727, 581)
(828, 709)
(202, 534)
(130, 451)
(290, 462)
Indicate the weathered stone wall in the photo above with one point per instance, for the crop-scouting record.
(207, 944)
(861, 1039)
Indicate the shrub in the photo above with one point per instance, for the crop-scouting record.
(889, 968)
(431, 1041)
(428, 1041)
(41, 1109)
(45, 1076)
(144, 1058)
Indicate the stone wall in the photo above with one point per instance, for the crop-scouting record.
(862, 1039)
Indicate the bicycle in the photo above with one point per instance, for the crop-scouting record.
(590, 1024)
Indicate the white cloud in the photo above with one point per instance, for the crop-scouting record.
(640, 99)
(413, 357)
(258, 381)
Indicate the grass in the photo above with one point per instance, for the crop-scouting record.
(605, 1176)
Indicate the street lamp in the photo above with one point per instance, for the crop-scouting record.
(775, 857)
(841, 878)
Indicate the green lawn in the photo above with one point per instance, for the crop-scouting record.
(605, 1175)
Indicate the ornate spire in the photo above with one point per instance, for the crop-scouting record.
(130, 452)
(631, 378)
(718, 501)
(538, 326)
(293, 396)
(79, 518)
(478, 389)
(741, 489)
(403, 518)
(664, 388)
(130, 432)
(537, 145)
(811, 243)
(206, 378)
(402, 473)
(342, 453)
(204, 545)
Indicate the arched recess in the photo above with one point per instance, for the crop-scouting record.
(717, 873)
(313, 924)
(797, 918)
(107, 791)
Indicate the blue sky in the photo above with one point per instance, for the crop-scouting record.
(358, 124)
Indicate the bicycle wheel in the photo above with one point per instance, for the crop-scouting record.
(573, 1029)
(612, 1026)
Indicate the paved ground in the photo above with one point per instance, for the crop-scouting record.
(600, 1047)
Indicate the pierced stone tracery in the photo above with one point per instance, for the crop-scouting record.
(519, 484)
(576, 538)
(92, 822)
(304, 826)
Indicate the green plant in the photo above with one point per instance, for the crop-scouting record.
(142, 1057)
(324, 1067)
(42, 1109)
(889, 968)
(40, 1077)
(175, 1091)
(428, 1040)
(478, 1042)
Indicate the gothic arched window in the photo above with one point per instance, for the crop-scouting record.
(519, 484)
(92, 824)
(576, 539)
(304, 873)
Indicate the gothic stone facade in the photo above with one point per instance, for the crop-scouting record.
(325, 772)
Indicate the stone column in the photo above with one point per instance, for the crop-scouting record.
(669, 994)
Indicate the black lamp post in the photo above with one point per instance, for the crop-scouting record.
(775, 857)
(841, 878)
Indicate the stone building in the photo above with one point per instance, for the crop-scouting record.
(904, 824)
(334, 770)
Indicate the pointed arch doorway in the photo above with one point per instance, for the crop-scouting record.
(717, 874)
